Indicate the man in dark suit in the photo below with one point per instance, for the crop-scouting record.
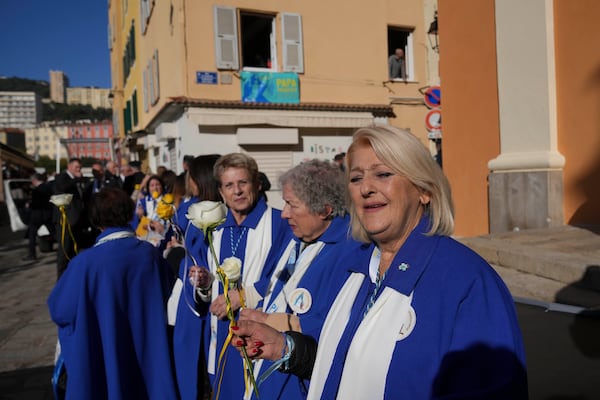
(72, 181)
(40, 212)
(135, 178)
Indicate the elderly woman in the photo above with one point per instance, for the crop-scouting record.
(253, 232)
(420, 316)
(306, 279)
(109, 306)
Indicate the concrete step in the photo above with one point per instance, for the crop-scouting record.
(560, 264)
(528, 286)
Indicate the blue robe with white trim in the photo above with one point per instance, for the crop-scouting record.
(323, 279)
(109, 306)
(466, 343)
(192, 333)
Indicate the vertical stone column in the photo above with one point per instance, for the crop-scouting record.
(525, 181)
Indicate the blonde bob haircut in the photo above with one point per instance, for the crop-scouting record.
(237, 160)
(404, 154)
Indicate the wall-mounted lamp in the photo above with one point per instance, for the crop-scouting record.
(432, 34)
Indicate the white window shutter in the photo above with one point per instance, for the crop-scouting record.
(155, 77)
(226, 42)
(146, 90)
(293, 54)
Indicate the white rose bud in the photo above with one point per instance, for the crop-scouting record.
(206, 214)
(232, 266)
(61, 199)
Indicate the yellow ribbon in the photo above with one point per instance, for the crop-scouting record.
(65, 226)
(248, 370)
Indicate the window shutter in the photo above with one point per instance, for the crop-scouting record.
(293, 55)
(226, 43)
(155, 78)
(134, 106)
(146, 90)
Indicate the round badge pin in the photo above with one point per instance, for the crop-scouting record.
(409, 324)
(300, 300)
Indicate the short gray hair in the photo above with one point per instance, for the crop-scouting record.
(318, 184)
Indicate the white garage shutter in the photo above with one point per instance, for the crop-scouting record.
(273, 164)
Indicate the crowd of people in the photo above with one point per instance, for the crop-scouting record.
(353, 290)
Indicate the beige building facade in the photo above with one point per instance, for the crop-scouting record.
(92, 96)
(44, 140)
(281, 81)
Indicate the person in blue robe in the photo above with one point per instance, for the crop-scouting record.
(110, 309)
(308, 276)
(254, 233)
(420, 315)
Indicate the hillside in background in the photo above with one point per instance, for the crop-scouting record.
(54, 111)
(14, 84)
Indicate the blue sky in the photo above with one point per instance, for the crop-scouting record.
(66, 35)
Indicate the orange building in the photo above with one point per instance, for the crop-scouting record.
(521, 122)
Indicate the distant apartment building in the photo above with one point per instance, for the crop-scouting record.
(20, 109)
(59, 83)
(13, 137)
(282, 81)
(45, 140)
(94, 140)
(95, 97)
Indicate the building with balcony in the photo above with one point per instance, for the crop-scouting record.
(90, 139)
(20, 109)
(283, 82)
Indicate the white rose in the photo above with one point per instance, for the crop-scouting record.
(232, 267)
(61, 199)
(206, 214)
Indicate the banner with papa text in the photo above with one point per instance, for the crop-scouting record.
(270, 87)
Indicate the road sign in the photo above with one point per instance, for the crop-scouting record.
(433, 97)
(433, 120)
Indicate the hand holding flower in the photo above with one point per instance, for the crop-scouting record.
(219, 306)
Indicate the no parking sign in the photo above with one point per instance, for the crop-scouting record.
(433, 97)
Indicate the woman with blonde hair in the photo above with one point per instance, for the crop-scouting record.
(420, 316)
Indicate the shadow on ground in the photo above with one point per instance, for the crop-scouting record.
(27, 384)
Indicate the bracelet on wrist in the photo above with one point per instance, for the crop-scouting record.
(283, 363)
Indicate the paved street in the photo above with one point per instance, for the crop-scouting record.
(27, 335)
(562, 343)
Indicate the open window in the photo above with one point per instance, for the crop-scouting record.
(252, 45)
(402, 38)
(257, 36)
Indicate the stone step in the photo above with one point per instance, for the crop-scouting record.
(567, 255)
(528, 286)
(555, 265)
